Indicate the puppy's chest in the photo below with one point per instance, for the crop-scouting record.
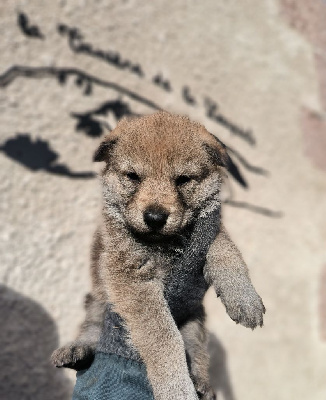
(184, 284)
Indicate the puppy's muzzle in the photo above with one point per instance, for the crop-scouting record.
(155, 217)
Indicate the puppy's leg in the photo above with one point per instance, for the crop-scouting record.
(138, 297)
(80, 353)
(228, 273)
(195, 339)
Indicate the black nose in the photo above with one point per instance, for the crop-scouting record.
(155, 217)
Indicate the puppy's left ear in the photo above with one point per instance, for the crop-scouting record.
(217, 151)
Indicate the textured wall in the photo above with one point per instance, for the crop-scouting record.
(253, 72)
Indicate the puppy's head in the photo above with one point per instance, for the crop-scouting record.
(161, 171)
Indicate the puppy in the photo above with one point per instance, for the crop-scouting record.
(161, 245)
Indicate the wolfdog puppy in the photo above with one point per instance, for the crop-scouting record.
(161, 245)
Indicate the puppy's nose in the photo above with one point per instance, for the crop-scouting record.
(155, 217)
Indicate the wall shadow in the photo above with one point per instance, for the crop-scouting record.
(218, 370)
(38, 156)
(94, 128)
(32, 31)
(28, 336)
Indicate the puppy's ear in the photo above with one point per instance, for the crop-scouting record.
(104, 150)
(218, 152)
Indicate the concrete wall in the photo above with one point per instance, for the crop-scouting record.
(253, 72)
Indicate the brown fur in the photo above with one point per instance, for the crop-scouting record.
(147, 160)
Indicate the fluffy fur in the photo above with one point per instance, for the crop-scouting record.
(161, 245)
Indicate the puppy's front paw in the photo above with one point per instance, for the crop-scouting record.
(210, 395)
(205, 392)
(75, 355)
(244, 305)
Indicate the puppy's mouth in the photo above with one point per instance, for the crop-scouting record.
(157, 226)
(150, 236)
(162, 238)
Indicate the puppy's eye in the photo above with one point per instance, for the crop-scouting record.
(182, 179)
(133, 176)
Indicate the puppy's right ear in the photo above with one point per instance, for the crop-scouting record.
(104, 150)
